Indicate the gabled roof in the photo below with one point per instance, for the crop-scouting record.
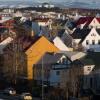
(98, 31)
(39, 48)
(50, 58)
(83, 20)
(98, 19)
(80, 33)
(25, 42)
(4, 43)
(84, 61)
(73, 55)
(67, 39)
(87, 20)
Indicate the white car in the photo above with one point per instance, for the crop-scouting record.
(26, 96)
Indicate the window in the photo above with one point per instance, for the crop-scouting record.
(64, 60)
(87, 42)
(93, 42)
(99, 42)
(57, 72)
(93, 34)
(94, 21)
(89, 68)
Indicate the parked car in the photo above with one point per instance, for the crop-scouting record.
(26, 96)
(10, 91)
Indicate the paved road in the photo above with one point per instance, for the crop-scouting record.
(11, 97)
(8, 97)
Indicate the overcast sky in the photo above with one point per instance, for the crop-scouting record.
(55, 0)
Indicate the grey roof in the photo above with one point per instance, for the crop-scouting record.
(69, 53)
(73, 55)
(82, 62)
(50, 58)
(87, 61)
(67, 39)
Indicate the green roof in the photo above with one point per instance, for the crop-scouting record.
(86, 61)
(95, 56)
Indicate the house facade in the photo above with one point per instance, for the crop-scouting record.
(88, 22)
(22, 54)
(50, 68)
(87, 38)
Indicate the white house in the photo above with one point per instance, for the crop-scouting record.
(63, 42)
(87, 38)
(95, 23)
(59, 44)
(92, 40)
(43, 21)
(89, 22)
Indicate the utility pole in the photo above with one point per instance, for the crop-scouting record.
(42, 80)
(15, 59)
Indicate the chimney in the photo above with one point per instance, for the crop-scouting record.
(1, 37)
(32, 33)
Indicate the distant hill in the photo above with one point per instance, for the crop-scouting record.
(69, 3)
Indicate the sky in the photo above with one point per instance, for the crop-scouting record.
(56, 0)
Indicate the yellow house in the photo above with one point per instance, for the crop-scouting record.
(36, 51)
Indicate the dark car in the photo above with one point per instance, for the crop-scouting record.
(10, 91)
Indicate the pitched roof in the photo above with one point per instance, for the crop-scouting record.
(87, 61)
(27, 41)
(98, 19)
(39, 48)
(73, 55)
(67, 39)
(98, 31)
(80, 33)
(83, 20)
(50, 58)
(4, 43)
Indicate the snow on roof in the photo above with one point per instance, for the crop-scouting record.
(4, 43)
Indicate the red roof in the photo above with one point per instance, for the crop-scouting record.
(83, 20)
(98, 19)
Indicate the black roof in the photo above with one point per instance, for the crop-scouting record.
(80, 33)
